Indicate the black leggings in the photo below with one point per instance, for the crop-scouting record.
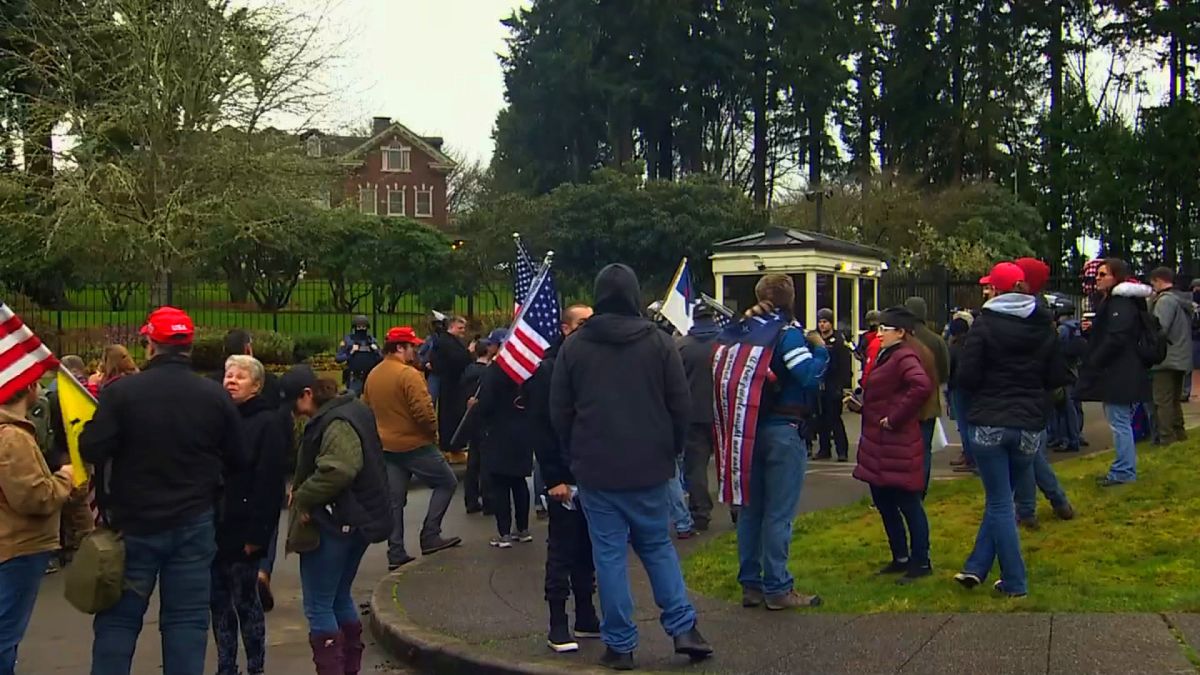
(509, 493)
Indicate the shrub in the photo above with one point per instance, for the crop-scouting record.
(308, 346)
(275, 348)
(208, 349)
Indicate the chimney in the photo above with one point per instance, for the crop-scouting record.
(379, 125)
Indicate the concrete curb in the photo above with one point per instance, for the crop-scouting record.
(433, 652)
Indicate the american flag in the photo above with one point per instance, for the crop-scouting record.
(741, 367)
(524, 274)
(23, 357)
(536, 327)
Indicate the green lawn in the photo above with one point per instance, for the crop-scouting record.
(1130, 548)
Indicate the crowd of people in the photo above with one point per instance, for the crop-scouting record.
(620, 420)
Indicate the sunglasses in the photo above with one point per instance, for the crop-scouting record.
(884, 329)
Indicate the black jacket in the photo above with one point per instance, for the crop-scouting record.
(502, 408)
(171, 437)
(1112, 371)
(840, 371)
(254, 494)
(540, 430)
(449, 358)
(1008, 361)
(365, 506)
(619, 397)
(696, 350)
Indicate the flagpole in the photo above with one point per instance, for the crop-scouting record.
(675, 279)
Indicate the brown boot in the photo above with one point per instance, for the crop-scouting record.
(352, 647)
(327, 654)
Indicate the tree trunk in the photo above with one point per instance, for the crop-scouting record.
(958, 150)
(866, 94)
(666, 148)
(816, 144)
(1054, 141)
(759, 171)
(986, 79)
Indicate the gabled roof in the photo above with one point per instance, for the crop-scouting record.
(355, 153)
(779, 238)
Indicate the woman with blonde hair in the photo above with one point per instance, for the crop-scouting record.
(115, 364)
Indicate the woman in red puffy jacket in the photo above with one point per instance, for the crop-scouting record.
(891, 452)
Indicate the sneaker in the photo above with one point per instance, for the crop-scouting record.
(752, 597)
(614, 660)
(967, 580)
(501, 541)
(440, 544)
(587, 627)
(913, 573)
(693, 645)
(53, 566)
(1000, 588)
(965, 468)
(959, 461)
(525, 537)
(541, 514)
(559, 639)
(843, 459)
(894, 567)
(792, 599)
(1066, 448)
(687, 534)
(1064, 512)
(1105, 481)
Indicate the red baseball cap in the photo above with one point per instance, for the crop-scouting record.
(1037, 273)
(1004, 276)
(403, 334)
(169, 326)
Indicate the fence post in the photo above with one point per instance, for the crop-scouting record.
(946, 294)
(170, 290)
(275, 320)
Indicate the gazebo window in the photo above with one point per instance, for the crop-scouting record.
(845, 304)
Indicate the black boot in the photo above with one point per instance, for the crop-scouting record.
(693, 645)
(560, 639)
(614, 660)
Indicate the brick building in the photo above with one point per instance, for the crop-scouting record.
(394, 172)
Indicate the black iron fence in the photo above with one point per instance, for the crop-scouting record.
(85, 319)
(944, 293)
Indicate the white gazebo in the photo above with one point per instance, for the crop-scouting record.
(828, 272)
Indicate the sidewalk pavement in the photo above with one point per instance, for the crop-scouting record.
(480, 610)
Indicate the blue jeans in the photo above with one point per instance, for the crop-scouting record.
(1120, 420)
(19, 581)
(180, 560)
(326, 576)
(638, 517)
(680, 515)
(960, 400)
(898, 509)
(1069, 417)
(1003, 455)
(764, 526)
(1042, 477)
(267, 563)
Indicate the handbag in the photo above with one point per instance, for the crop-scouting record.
(95, 579)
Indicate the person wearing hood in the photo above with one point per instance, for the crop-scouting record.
(937, 348)
(248, 520)
(891, 453)
(1043, 477)
(1113, 372)
(358, 353)
(831, 431)
(1008, 363)
(868, 343)
(620, 405)
(569, 567)
(696, 350)
(1174, 312)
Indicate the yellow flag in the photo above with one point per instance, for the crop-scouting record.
(77, 406)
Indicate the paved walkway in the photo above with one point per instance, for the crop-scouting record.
(480, 610)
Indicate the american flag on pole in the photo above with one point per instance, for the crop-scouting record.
(524, 272)
(535, 329)
(23, 357)
(741, 368)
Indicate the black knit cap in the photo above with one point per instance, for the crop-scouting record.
(898, 317)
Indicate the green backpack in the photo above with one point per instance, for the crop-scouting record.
(95, 579)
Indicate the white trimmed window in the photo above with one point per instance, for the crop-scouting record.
(313, 146)
(424, 203)
(368, 201)
(395, 201)
(397, 159)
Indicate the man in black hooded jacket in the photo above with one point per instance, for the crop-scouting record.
(620, 405)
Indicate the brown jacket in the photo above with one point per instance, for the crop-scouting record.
(397, 394)
(932, 408)
(30, 496)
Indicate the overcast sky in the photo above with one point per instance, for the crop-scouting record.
(430, 64)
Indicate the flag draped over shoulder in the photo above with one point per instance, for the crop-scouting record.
(23, 357)
(78, 407)
(741, 369)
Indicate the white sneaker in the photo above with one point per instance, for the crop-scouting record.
(505, 541)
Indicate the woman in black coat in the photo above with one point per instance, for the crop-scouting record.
(249, 514)
(506, 453)
(1113, 372)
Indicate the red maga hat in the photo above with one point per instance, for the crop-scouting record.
(169, 326)
(403, 334)
(1004, 277)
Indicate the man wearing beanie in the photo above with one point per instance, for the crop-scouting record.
(168, 440)
(620, 405)
(831, 430)
(1043, 477)
(941, 362)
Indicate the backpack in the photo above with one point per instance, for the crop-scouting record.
(95, 579)
(1152, 340)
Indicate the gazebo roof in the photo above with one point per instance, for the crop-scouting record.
(777, 238)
